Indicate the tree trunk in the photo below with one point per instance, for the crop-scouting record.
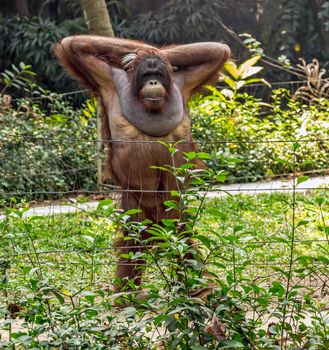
(22, 8)
(320, 24)
(98, 22)
(97, 17)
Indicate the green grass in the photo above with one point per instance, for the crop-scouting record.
(263, 251)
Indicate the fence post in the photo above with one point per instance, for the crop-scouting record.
(103, 138)
(99, 147)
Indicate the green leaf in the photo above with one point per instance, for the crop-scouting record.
(169, 222)
(230, 344)
(187, 166)
(251, 71)
(231, 68)
(238, 228)
(230, 82)
(302, 223)
(258, 80)
(247, 64)
(204, 155)
(171, 204)
(104, 203)
(174, 193)
(277, 289)
(190, 155)
(132, 211)
(59, 297)
(302, 179)
(159, 168)
(296, 145)
(91, 106)
(221, 177)
(205, 240)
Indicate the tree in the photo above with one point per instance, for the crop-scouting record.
(97, 17)
(317, 7)
(22, 8)
(98, 22)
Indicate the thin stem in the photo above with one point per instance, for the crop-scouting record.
(324, 224)
(292, 248)
(159, 267)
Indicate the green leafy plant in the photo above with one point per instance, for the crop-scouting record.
(18, 77)
(240, 127)
(30, 40)
(183, 21)
(46, 144)
(254, 252)
(243, 75)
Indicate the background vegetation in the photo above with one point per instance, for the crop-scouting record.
(287, 29)
(49, 146)
(265, 256)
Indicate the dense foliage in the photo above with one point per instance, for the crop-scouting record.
(47, 145)
(265, 256)
(30, 40)
(260, 136)
(287, 29)
(290, 28)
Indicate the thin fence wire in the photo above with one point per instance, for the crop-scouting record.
(101, 260)
(118, 190)
(232, 178)
(110, 189)
(84, 91)
(102, 250)
(200, 142)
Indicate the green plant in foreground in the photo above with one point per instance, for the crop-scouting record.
(18, 77)
(47, 145)
(248, 248)
(242, 75)
(257, 252)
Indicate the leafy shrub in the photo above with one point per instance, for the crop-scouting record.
(180, 21)
(47, 145)
(260, 137)
(30, 40)
(254, 294)
(46, 153)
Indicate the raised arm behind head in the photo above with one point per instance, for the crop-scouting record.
(88, 58)
(199, 62)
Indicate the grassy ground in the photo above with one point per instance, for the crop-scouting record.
(262, 251)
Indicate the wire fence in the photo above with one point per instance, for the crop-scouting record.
(281, 183)
(256, 88)
(264, 226)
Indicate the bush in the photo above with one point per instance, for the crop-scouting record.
(30, 40)
(47, 151)
(260, 137)
(264, 257)
(180, 21)
(49, 146)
